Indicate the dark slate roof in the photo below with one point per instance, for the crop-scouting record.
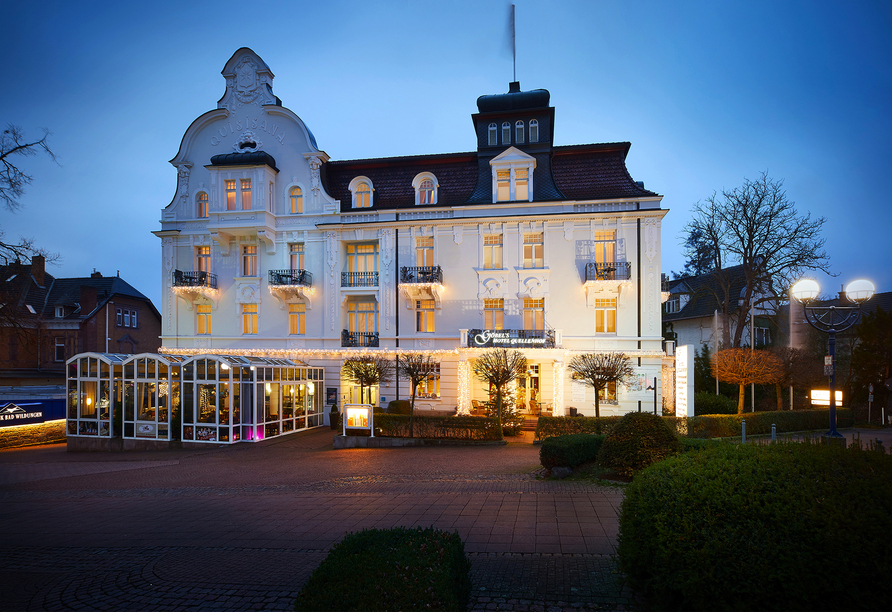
(879, 300)
(595, 172)
(703, 291)
(67, 291)
(514, 100)
(250, 158)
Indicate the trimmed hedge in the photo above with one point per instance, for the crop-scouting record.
(710, 403)
(452, 427)
(399, 407)
(728, 426)
(569, 451)
(562, 426)
(392, 569)
(638, 440)
(786, 526)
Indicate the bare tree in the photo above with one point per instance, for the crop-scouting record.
(367, 372)
(416, 367)
(597, 370)
(498, 367)
(744, 367)
(757, 227)
(799, 369)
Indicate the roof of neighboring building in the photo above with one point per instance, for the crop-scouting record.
(704, 291)
(879, 300)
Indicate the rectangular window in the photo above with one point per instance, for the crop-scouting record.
(296, 322)
(133, 319)
(503, 179)
(249, 318)
(673, 304)
(424, 315)
(230, 194)
(533, 314)
(605, 316)
(246, 194)
(296, 256)
(518, 132)
(604, 246)
(493, 138)
(424, 251)
(126, 318)
(493, 313)
(60, 349)
(521, 184)
(532, 250)
(429, 387)
(203, 258)
(362, 257)
(249, 261)
(203, 313)
(119, 317)
(492, 252)
(362, 316)
(608, 393)
(506, 133)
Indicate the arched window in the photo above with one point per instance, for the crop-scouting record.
(426, 195)
(506, 133)
(493, 134)
(425, 185)
(518, 132)
(534, 130)
(296, 195)
(361, 188)
(202, 201)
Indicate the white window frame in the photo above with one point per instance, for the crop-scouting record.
(203, 258)
(506, 132)
(534, 130)
(518, 132)
(355, 186)
(297, 319)
(250, 260)
(493, 135)
(603, 308)
(295, 201)
(493, 313)
(534, 314)
(59, 344)
(250, 319)
(512, 160)
(296, 255)
(493, 252)
(418, 183)
(534, 250)
(203, 319)
(201, 205)
(424, 251)
(425, 316)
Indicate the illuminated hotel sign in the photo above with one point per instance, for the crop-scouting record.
(483, 338)
(14, 414)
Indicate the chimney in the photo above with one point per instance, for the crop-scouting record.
(514, 87)
(88, 299)
(842, 295)
(38, 269)
(96, 274)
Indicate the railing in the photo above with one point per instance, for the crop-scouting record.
(349, 338)
(194, 278)
(511, 338)
(359, 279)
(290, 277)
(610, 270)
(424, 274)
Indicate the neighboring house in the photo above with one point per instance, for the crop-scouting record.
(800, 328)
(46, 320)
(693, 310)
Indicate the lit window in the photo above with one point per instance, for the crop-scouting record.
(504, 180)
(512, 176)
(203, 313)
(60, 349)
(203, 258)
(608, 393)
(362, 257)
(532, 250)
(493, 312)
(424, 251)
(362, 316)
(604, 246)
(249, 318)
(493, 134)
(426, 195)
(534, 314)
(296, 314)
(249, 261)
(202, 200)
(429, 387)
(363, 198)
(534, 130)
(521, 184)
(230, 194)
(297, 200)
(424, 315)
(246, 194)
(605, 316)
(296, 254)
(506, 133)
(492, 252)
(425, 185)
(518, 132)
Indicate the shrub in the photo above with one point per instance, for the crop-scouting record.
(570, 451)
(710, 403)
(721, 426)
(752, 527)
(561, 426)
(399, 407)
(638, 440)
(696, 444)
(451, 427)
(391, 569)
(512, 419)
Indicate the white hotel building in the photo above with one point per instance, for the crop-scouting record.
(271, 249)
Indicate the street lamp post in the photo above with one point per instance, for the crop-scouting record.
(830, 320)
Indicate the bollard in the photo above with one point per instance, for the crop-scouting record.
(743, 431)
(773, 433)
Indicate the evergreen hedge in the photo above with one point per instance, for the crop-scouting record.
(569, 451)
(710, 403)
(452, 427)
(786, 526)
(391, 569)
(638, 440)
(562, 426)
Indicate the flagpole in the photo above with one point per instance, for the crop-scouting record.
(513, 44)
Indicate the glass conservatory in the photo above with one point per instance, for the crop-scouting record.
(201, 399)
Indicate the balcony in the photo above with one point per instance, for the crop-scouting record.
(608, 271)
(359, 279)
(423, 275)
(421, 283)
(291, 283)
(359, 339)
(193, 284)
(511, 338)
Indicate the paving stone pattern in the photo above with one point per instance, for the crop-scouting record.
(242, 527)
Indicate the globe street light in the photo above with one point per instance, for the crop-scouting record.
(832, 319)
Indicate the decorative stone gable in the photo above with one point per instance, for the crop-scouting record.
(248, 81)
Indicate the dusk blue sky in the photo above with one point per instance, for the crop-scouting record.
(708, 93)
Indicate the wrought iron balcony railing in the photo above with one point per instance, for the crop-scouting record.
(359, 279)
(511, 338)
(194, 278)
(423, 274)
(349, 338)
(610, 270)
(290, 278)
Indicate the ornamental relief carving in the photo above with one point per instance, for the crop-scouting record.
(532, 283)
(247, 291)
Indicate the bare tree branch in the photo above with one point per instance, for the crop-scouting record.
(12, 179)
(498, 367)
(598, 369)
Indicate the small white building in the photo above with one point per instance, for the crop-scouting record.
(271, 249)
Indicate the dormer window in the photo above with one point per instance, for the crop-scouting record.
(60, 312)
(518, 132)
(512, 174)
(361, 188)
(493, 134)
(296, 195)
(534, 130)
(201, 201)
(506, 133)
(426, 187)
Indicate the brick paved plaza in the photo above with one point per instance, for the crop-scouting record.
(242, 527)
